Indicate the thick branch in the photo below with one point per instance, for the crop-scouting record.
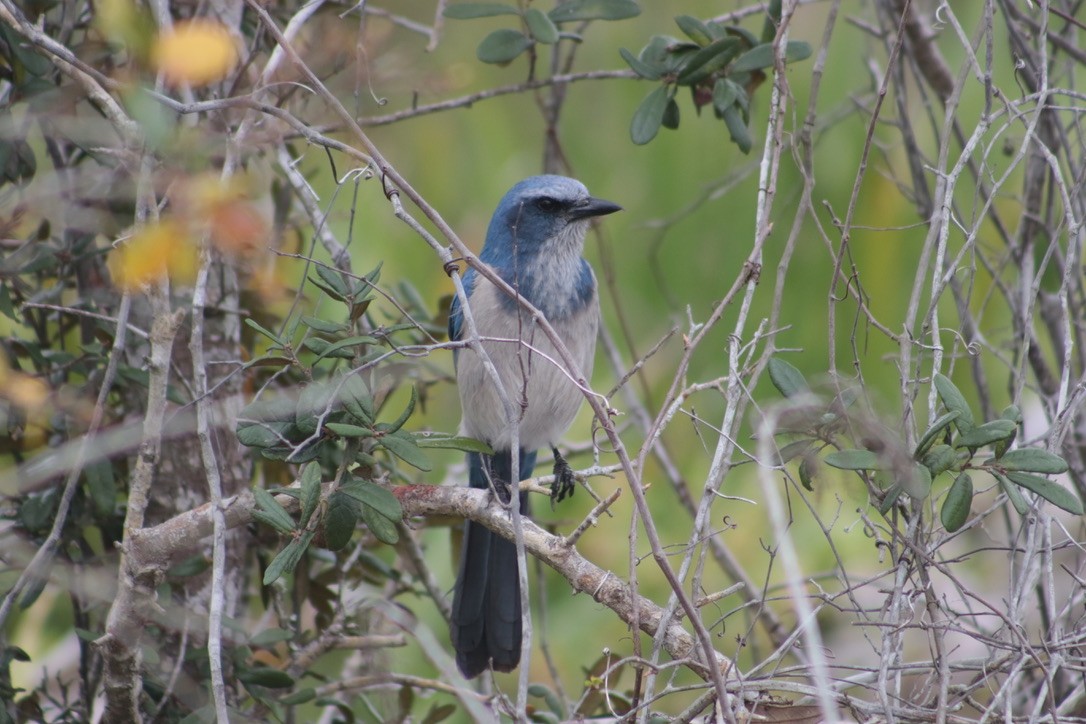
(162, 546)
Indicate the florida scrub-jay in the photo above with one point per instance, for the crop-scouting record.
(534, 243)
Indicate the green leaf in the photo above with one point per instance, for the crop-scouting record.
(708, 60)
(344, 429)
(314, 401)
(540, 26)
(334, 279)
(855, 460)
(694, 29)
(1054, 493)
(671, 115)
(322, 349)
(748, 38)
(764, 56)
(277, 515)
(595, 10)
(450, 442)
(918, 484)
(502, 46)
(888, 500)
(649, 116)
(940, 459)
(101, 486)
(986, 434)
(954, 401)
(468, 11)
(264, 331)
(311, 491)
(336, 347)
(339, 520)
(808, 471)
(725, 93)
(956, 505)
(300, 697)
(321, 325)
(1013, 493)
(787, 379)
(933, 432)
(357, 399)
(794, 449)
(403, 446)
(737, 128)
(267, 677)
(288, 558)
(406, 414)
(1031, 460)
(382, 528)
(263, 434)
(772, 20)
(380, 499)
(648, 71)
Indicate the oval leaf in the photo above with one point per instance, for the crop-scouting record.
(266, 676)
(1032, 460)
(449, 442)
(339, 520)
(986, 434)
(933, 432)
(311, 491)
(595, 10)
(1013, 494)
(958, 500)
(694, 29)
(787, 379)
(708, 60)
(1054, 493)
(403, 446)
(382, 528)
(374, 496)
(737, 127)
(954, 401)
(854, 460)
(540, 26)
(502, 46)
(277, 516)
(917, 485)
(764, 56)
(648, 71)
(671, 115)
(649, 116)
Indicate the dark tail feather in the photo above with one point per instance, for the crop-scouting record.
(486, 623)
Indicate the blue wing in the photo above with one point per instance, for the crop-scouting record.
(456, 316)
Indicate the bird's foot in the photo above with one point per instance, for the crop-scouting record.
(564, 481)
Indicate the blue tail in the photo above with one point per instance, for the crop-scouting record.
(486, 625)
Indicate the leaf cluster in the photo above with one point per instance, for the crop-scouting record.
(948, 449)
(332, 428)
(722, 65)
(503, 46)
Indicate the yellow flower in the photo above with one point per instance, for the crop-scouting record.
(195, 52)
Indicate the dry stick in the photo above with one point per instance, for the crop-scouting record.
(214, 482)
(713, 660)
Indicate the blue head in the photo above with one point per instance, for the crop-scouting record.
(535, 241)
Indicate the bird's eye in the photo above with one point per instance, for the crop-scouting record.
(546, 203)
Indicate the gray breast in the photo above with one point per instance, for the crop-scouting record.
(542, 391)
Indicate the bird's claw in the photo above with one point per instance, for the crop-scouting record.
(564, 481)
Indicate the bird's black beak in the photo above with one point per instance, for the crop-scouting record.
(593, 207)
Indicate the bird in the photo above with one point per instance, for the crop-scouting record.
(534, 243)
